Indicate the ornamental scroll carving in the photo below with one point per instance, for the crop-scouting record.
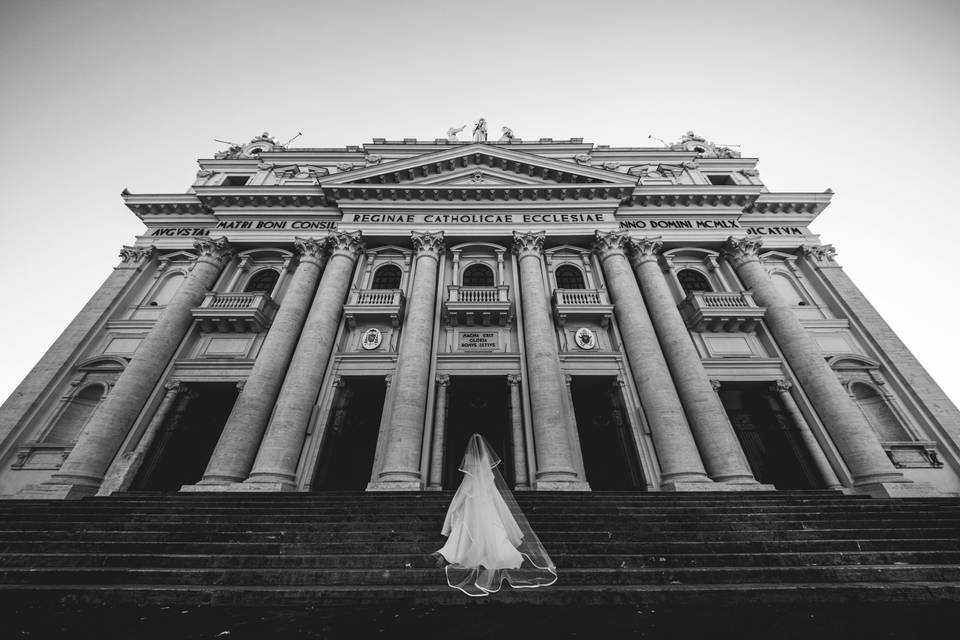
(611, 243)
(343, 243)
(430, 244)
(528, 244)
(646, 249)
(136, 254)
(741, 250)
(217, 251)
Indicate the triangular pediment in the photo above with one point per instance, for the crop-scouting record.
(465, 171)
(508, 164)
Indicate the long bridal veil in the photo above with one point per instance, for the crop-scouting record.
(488, 538)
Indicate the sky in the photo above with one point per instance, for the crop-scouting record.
(858, 96)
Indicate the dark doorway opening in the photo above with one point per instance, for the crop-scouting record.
(769, 437)
(609, 453)
(477, 404)
(183, 446)
(350, 438)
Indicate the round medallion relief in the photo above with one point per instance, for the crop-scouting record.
(585, 338)
(371, 339)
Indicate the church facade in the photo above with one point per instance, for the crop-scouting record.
(309, 319)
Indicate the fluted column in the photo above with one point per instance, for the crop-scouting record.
(439, 433)
(551, 423)
(829, 477)
(276, 462)
(719, 447)
(856, 441)
(401, 467)
(520, 480)
(680, 462)
(124, 469)
(104, 433)
(237, 446)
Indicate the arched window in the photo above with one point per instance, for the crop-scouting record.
(263, 280)
(878, 414)
(569, 277)
(387, 277)
(76, 414)
(787, 289)
(478, 275)
(164, 294)
(692, 280)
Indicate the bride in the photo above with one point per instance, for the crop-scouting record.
(488, 538)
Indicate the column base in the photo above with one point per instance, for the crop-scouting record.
(898, 490)
(239, 487)
(547, 485)
(715, 486)
(397, 485)
(54, 492)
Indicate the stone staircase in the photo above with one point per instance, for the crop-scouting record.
(225, 556)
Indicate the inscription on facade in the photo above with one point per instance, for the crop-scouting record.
(775, 231)
(479, 341)
(679, 224)
(266, 225)
(180, 231)
(474, 218)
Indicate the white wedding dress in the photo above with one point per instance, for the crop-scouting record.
(488, 538)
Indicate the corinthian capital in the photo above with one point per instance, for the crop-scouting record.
(136, 254)
(215, 251)
(528, 244)
(429, 244)
(345, 244)
(741, 250)
(819, 253)
(646, 249)
(310, 249)
(611, 243)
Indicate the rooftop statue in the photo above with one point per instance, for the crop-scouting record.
(507, 135)
(452, 133)
(480, 131)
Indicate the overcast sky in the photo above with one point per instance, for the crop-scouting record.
(861, 97)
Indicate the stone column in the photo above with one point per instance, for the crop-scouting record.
(62, 353)
(551, 423)
(856, 441)
(680, 464)
(275, 467)
(830, 480)
(124, 469)
(103, 434)
(401, 466)
(439, 433)
(721, 451)
(516, 434)
(237, 446)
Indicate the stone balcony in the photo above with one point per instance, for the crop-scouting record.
(374, 305)
(240, 312)
(581, 304)
(726, 311)
(478, 305)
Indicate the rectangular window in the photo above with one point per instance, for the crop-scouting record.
(723, 179)
(236, 181)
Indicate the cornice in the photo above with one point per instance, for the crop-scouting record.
(791, 203)
(261, 196)
(695, 195)
(163, 203)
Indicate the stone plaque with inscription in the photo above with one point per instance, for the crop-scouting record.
(478, 341)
